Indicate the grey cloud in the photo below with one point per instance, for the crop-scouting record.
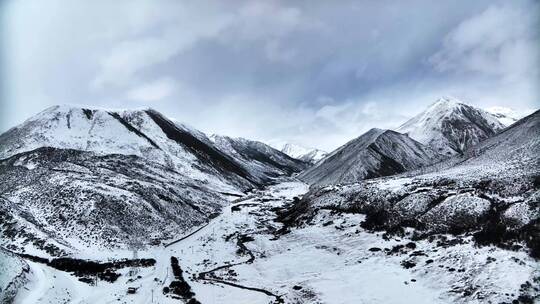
(313, 72)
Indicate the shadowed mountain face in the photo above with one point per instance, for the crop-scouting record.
(204, 151)
(376, 153)
(144, 133)
(451, 127)
(112, 177)
(261, 160)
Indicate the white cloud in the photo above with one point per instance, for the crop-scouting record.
(262, 69)
(187, 25)
(500, 41)
(153, 91)
(125, 59)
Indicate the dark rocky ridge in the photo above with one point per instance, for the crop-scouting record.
(261, 160)
(374, 154)
(203, 151)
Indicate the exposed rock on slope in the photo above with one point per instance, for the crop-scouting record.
(375, 153)
(451, 127)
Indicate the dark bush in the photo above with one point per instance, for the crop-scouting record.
(407, 264)
(411, 245)
(375, 220)
(85, 268)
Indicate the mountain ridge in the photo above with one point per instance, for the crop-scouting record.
(375, 153)
(450, 126)
(129, 175)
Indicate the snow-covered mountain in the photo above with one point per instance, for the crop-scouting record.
(73, 178)
(310, 155)
(502, 169)
(516, 147)
(58, 201)
(143, 133)
(504, 115)
(375, 153)
(457, 221)
(463, 230)
(450, 126)
(261, 160)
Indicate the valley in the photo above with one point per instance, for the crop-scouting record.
(244, 255)
(158, 212)
(270, 152)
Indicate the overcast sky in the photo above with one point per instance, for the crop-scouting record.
(310, 72)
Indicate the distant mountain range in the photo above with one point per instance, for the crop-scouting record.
(258, 158)
(447, 127)
(431, 200)
(506, 116)
(310, 155)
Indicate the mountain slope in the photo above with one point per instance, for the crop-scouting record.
(74, 178)
(260, 160)
(494, 184)
(450, 126)
(518, 145)
(462, 208)
(513, 152)
(14, 273)
(373, 154)
(63, 200)
(313, 156)
(144, 133)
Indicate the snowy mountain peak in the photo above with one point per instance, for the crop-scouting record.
(445, 106)
(448, 102)
(504, 115)
(310, 155)
(450, 126)
(376, 131)
(68, 165)
(95, 130)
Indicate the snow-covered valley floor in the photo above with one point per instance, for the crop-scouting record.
(239, 258)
